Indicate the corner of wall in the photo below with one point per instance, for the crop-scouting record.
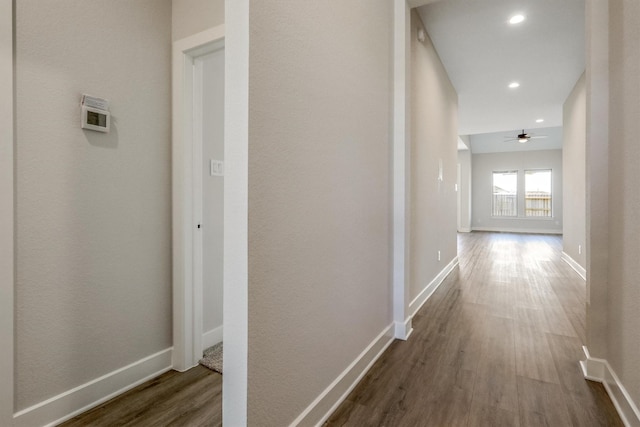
(73, 402)
(193, 16)
(430, 288)
(599, 370)
(328, 401)
(7, 212)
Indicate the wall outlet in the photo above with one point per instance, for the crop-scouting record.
(438, 255)
(579, 249)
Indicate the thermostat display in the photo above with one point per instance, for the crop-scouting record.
(95, 114)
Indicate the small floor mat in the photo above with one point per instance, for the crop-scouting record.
(212, 358)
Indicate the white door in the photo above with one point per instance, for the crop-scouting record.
(209, 117)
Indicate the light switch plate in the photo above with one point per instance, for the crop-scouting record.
(216, 168)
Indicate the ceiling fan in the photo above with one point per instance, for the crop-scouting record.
(523, 137)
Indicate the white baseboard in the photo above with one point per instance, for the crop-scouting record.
(328, 401)
(599, 370)
(67, 405)
(574, 264)
(464, 230)
(212, 337)
(403, 329)
(424, 295)
(518, 230)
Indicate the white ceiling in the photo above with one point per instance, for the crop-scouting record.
(495, 142)
(483, 53)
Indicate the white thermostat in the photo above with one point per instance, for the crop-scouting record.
(95, 114)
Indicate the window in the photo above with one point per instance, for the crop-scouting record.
(505, 193)
(537, 187)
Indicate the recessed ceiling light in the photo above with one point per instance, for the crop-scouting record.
(516, 19)
(514, 85)
(539, 120)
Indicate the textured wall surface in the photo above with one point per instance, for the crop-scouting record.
(574, 138)
(193, 16)
(434, 140)
(6, 212)
(624, 197)
(597, 173)
(464, 162)
(319, 196)
(93, 210)
(483, 167)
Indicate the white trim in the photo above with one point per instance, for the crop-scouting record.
(236, 211)
(197, 185)
(592, 368)
(343, 384)
(212, 337)
(599, 370)
(522, 218)
(464, 230)
(400, 157)
(67, 405)
(6, 213)
(517, 230)
(458, 193)
(574, 264)
(428, 290)
(403, 329)
(187, 318)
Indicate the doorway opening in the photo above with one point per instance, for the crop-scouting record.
(198, 192)
(208, 160)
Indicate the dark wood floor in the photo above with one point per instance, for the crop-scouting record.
(192, 398)
(497, 344)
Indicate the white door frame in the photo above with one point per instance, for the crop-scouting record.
(7, 265)
(236, 213)
(458, 195)
(187, 192)
(401, 182)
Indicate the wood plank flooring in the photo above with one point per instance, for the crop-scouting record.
(498, 344)
(192, 398)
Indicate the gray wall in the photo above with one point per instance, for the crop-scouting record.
(434, 139)
(93, 267)
(319, 196)
(464, 190)
(193, 16)
(483, 167)
(623, 329)
(574, 175)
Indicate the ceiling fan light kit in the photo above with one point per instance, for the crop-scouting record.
(523, 137)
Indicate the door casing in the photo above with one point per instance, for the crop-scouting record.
(187, 197)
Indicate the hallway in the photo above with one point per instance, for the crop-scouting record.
(497, 344)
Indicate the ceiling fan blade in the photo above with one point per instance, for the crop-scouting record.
(537, 137)
(510, 140)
